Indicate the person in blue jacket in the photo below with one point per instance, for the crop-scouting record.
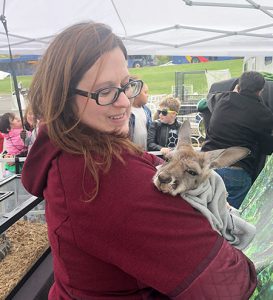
(140, 119)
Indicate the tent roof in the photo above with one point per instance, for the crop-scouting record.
(157, 27)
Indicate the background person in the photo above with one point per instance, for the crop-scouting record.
(28, 119)
(239, 118)
(11, 128)
(163, 133)
(1, 142)
(141, 118)
(30, 139)
(32, 125)
(112, 234)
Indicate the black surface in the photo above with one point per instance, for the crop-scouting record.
(37, 282)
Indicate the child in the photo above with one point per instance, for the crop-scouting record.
(11, 127)
(31, 124)
(141, 117)
(28, 119)
(163, 133)
(1, 142)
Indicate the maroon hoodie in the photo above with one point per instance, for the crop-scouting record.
(131, 242)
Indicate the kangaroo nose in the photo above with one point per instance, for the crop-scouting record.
(164, 178)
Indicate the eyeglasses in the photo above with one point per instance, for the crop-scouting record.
(164, 112)
(109, 95)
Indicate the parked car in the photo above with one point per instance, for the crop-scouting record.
(138, 61)
(188, 59)
(197, 59)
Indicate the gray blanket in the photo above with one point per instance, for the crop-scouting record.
(210, 199)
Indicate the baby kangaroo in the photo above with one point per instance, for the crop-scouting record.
(185, 168)
(189, 173)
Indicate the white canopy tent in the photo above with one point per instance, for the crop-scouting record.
(156, 27)
(3, 75)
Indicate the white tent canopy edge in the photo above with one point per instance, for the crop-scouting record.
(156, 27)
(3, 75)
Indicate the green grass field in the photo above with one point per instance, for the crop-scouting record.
(161, 79)
(5, 84)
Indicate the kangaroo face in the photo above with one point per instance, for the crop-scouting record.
(185, 170)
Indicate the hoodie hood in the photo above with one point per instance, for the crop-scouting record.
(38, 162)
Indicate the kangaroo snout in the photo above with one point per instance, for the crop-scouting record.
(166, 183)
(164, 178)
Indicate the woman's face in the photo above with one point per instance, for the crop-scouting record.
(110, 70)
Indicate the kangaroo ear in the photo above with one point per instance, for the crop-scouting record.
(226, 157)
(184, 135)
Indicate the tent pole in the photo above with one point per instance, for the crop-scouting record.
(3, 19)
(196, 3)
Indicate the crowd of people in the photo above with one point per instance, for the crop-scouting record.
(16, 138)
(112, 233)
(239, 118)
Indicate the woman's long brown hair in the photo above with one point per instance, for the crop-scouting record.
(70, 55)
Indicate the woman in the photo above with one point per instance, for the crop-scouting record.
(112, 234)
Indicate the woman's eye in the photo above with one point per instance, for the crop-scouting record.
(105, 92)
(191, 172)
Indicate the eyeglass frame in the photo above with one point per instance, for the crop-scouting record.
(95, 95)
(165, 112)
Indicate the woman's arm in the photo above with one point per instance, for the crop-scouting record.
(158, 239)
(229, 275)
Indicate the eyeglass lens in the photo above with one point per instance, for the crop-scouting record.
(110, 95)
(163, 112)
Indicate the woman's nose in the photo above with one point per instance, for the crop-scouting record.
(122, 100)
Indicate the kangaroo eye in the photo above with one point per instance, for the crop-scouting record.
(167, 159)
(191, 172)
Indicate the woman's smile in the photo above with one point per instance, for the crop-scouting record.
(118, 117)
